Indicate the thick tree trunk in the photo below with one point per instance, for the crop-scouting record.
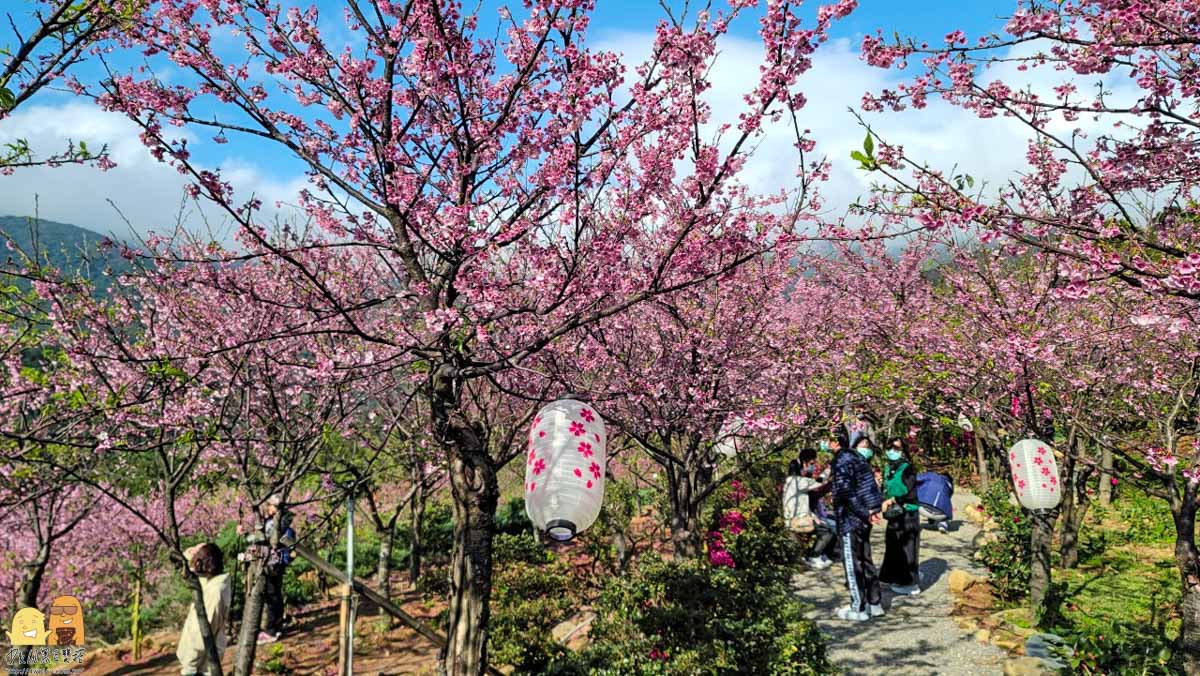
(685, 514)
(476, 493)
(1187, 559)
(981, 462)
(1075, 501)
(31, 583)
(415, 541)
(1106, 477)
(252, 610)
(1039, 577)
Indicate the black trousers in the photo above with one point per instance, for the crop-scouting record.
(901, 557)
(274, 601)
(823, 544)
(861, 576)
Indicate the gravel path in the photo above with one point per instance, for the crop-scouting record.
(916, 636)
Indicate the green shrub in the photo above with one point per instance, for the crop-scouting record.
(728, 614)
(1008, 558)
(689, 617)
(531, 593)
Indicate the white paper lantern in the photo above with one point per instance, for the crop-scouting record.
(1035, 474)
(964, 423)
(730, 438)
(564, 468)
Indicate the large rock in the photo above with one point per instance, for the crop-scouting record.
(973, 514)
(1028, 666)
(573, 631)
(960, 581)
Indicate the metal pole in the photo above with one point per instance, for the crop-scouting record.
(350, 577)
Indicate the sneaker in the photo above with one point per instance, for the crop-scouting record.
(264, 637)
(819, 563)
(943, 527)
(845, 613)
(875, 609)
(906, 590)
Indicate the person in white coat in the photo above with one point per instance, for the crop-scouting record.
(207, 562)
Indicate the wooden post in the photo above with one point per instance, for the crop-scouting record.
(382, 601)
(343, 633)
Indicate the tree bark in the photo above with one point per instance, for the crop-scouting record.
(1039, 577)
(985, 479)
(1106, 477)
(251, 620)
(1187, 559)
(415, 541)
(383, 569)
(475, 496)
(31, 584)
(685, 514)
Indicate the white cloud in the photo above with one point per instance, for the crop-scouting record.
(991, 150)
(148, 193)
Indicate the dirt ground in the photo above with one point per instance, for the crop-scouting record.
(309, 646)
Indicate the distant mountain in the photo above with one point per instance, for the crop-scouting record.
(67, 247)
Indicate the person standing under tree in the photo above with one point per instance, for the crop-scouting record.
(901, 560)
(207, 562)
(274, 568)
(857, 503)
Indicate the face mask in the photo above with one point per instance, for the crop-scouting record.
(893, 455)
(824, 445)
(866, 453)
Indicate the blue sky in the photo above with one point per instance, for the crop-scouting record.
(145, 191)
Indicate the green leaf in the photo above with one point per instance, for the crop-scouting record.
(8, 100)
(869, 145)
(859, 157)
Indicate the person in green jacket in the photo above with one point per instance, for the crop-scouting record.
(902, 539)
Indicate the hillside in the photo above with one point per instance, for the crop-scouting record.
(67, 247)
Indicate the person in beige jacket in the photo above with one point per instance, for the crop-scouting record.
(207, 561)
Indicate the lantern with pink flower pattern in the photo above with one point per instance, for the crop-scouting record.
(564, 468)
(1035, 474)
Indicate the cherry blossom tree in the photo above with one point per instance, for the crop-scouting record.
(511, 189)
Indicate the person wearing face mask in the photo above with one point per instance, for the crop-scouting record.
(857, 502)
(901, 564)
(814, 485)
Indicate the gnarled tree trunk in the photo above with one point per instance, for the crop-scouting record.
(31, 583)
(685, 513)
(475, 494)
(1187, 560)
(1075, 503)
